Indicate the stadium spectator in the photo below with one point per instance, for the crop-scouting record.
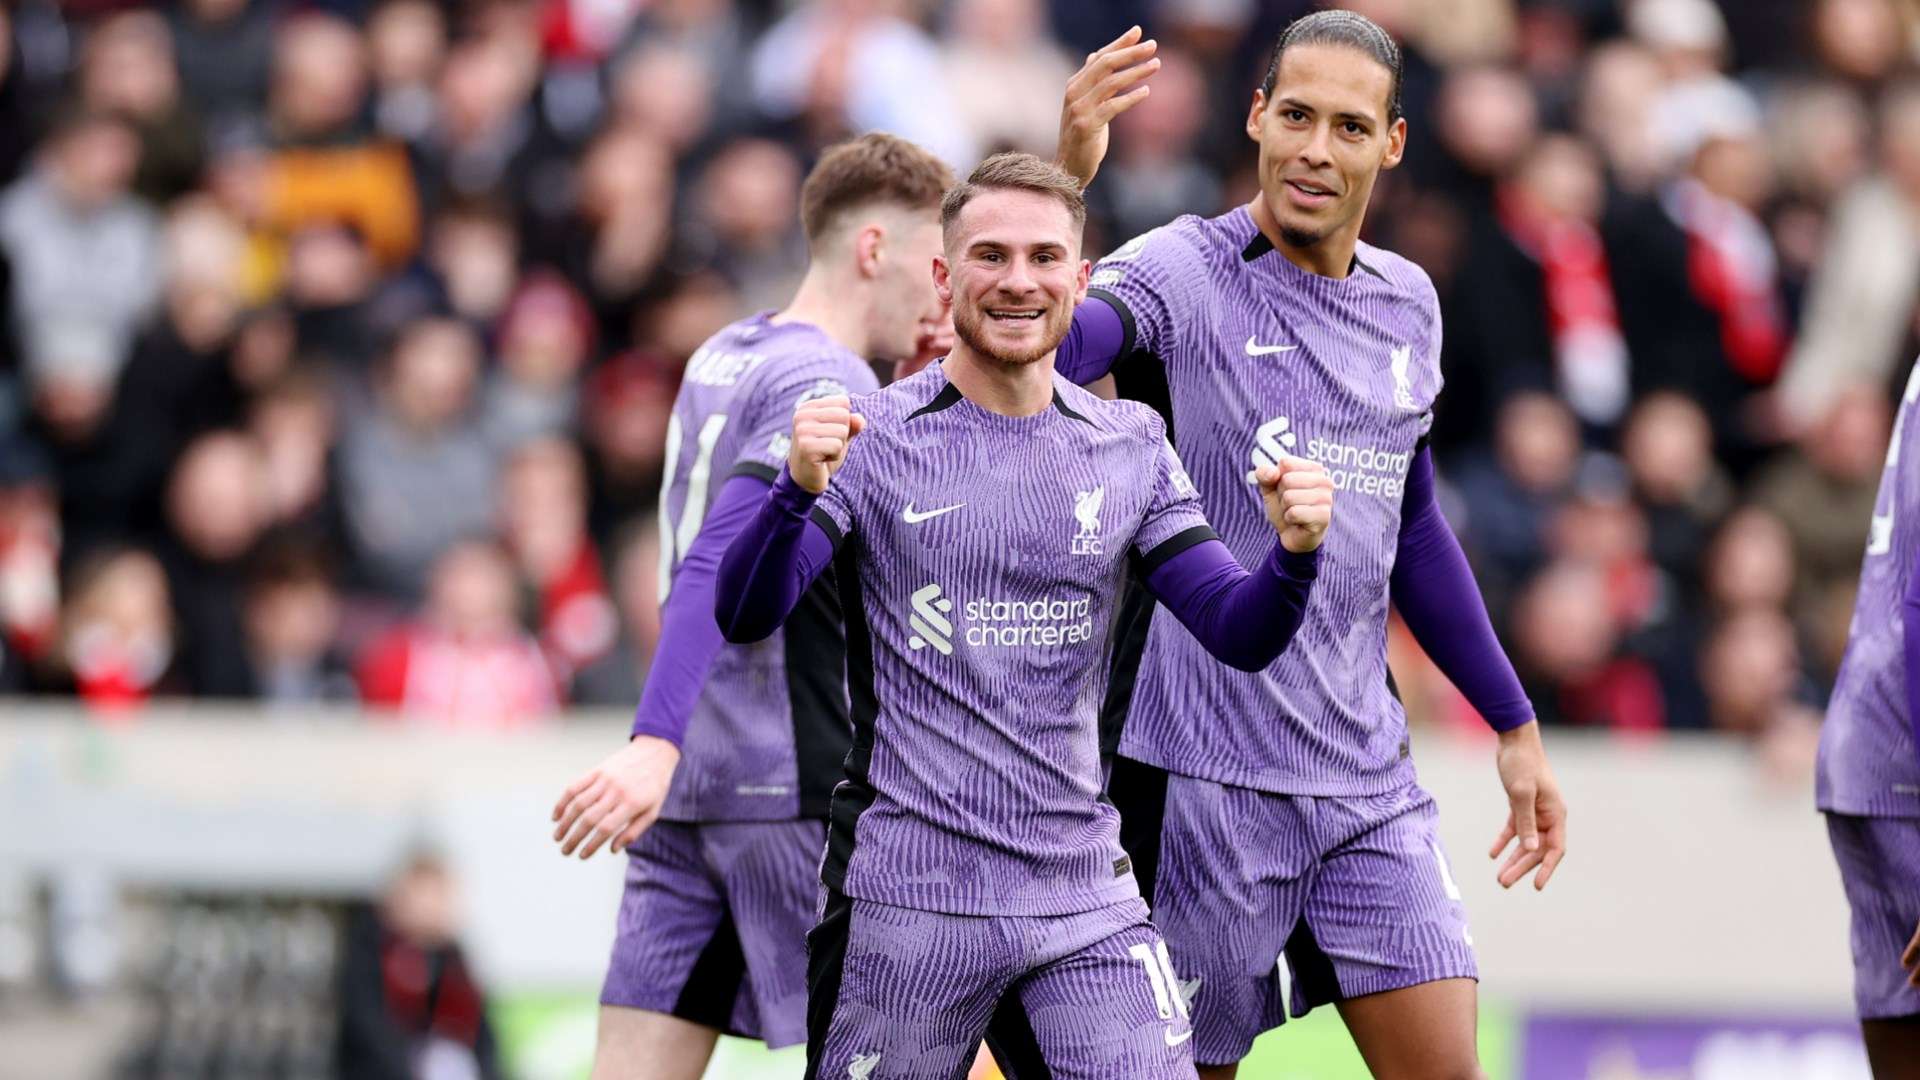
(1823, 490)
(1750, 563)
(1513, 491)
(616, 678)
(117, 645)
(216, 512)
(411, 1006)
(997, 59)
(1569, 655)
(1858, 321)
(543, 521)
(417, 469)
(292, 620)
(407, 43)
(1155, 177)
(464, 662)
(544, 340)
(224, 49)
(293, 422)
(127, 67)
(1668, 449)
(29, 563)
(85, 258)
(628, 402)
(473, 253)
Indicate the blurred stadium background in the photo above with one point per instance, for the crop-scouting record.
(335, 360)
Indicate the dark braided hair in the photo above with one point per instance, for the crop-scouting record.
(1346, 28)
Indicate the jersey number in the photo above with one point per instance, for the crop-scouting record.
(674, 543)
(1166, 987)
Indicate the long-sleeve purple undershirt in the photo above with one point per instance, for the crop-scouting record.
(1432, 585)
(1910, 645)
(689, 640)
(1244, 619)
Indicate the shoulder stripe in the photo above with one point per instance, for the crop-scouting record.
(1061, 404)
(827, 525)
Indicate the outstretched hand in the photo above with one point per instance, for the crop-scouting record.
(1112, 81)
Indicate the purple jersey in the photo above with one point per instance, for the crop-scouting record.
(1868, 762)
(1251, 357)
(769, 730)
(980, 561)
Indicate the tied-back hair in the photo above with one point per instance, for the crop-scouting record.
(1349, 29)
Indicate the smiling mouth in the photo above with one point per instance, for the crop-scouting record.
(1309, 189)
(1013, 314)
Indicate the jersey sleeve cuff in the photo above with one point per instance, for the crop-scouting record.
(757, 469)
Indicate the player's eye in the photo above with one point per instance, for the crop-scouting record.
(992, 257)
(1043, 258)
(1296, 116)
(1353, 128)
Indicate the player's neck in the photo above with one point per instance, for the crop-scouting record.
(1007, 389)
(1332, 257)
(833, 307)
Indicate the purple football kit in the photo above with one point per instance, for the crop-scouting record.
(721, 891)
(1868, 778)
(1273, 817)
(971, 858)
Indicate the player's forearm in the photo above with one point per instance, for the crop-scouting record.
(1244, 619)
(770, 564)
(1434, 591)
(689, 637)
(1093, 343)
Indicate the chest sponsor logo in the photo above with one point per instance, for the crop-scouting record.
(1086, 511)
(986, 622)
(1363, 470)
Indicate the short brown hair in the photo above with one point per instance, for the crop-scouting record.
(1015, 171)
(872, 168)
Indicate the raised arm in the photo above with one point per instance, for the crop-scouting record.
(1244, 619)
(770, 564)
(780, 552)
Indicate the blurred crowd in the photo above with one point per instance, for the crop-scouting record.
(340, 336)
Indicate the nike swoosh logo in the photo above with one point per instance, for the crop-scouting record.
(912, 518)
(1176, 1040)
(1254, 348)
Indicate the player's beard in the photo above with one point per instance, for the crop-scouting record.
(970, 326)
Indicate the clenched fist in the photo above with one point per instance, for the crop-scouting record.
(822, 430)
(1299, 498)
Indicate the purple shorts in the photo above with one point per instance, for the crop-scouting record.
(1880, 869)
(713, 926)
(902, 994)
(1273, 904)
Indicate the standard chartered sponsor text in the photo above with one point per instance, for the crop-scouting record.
(1363, 470)
(1014, 623)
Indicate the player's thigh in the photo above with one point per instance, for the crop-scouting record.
(1421, 1032)
(637, 1044)
(1226, 871)
(1893, 1047)
(1384, 912)
(899, 994)
(1879, 860)
(770, 872)
(674, 950)
(1109, 1008)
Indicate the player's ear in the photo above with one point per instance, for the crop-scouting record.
(869, 247)
(943, 280)
(1080, 282)
(1254, 113)
(1396, 143)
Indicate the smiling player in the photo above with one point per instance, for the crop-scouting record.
(1289, 825)
(982, 516)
